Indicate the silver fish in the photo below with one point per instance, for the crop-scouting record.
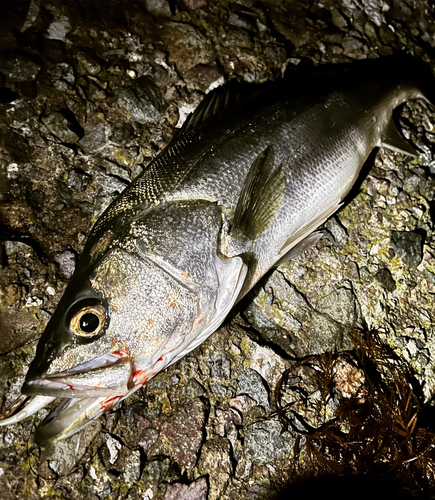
(239, 191)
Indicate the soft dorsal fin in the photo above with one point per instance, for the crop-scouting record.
(393, 139)
(215, 102)
(260, 198)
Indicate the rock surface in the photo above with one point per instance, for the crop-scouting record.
(90, 93)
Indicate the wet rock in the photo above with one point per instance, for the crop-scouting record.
(142, 99)
(253, 385)
(94, 138)
(159, 8)
(326, 335)
(409, 246)
(19, 67)
(186, 45)
(216, 462)
(194, 491)
(265, 443)
(67, 262)
(386, 280)
(18, 326)
(60, 26)
(62, 125)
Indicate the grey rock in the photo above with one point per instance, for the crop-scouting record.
(194, 491)
(67, 262)
(193, 389)
(159, 8)
(149, 438)
(87, 65)
(132, 468)
(62, 127)
(326, 335)
(251, 383)
(342, 306)
(94, 138)
(337, 230)
(112, 184)
(19, 68)
(221, 368)
(142, 99)
(265, 443)
(409, 246)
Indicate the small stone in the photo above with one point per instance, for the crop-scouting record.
(78, 179)
(86, 65)
(142, 99)
(337, 230)
(132, 468)
(62, 126)
(386, 280)
(159, 8)
(194, 491)
(265, 443)
(67, 262)
(253, 385)
(409, 246)
(62, 77)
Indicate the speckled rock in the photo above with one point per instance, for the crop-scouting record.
(408, 245)
(265, 443)
(142, 100)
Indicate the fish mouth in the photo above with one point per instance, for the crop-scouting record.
(106, 375)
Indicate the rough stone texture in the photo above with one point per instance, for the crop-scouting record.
(90, 94)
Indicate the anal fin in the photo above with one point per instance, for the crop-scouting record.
(300, 247)
(393, 139)
(299, 236)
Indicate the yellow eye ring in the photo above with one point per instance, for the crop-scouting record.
(89, 321)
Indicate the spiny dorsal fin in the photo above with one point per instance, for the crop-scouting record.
(260, 198)
(393, 139)
(215, 102)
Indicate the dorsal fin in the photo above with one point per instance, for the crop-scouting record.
(215, 102)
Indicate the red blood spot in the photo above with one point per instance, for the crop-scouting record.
(185, 275)
(160, 359)
(200, 321)
(109, 402)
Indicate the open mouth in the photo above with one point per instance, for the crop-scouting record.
(86, 392)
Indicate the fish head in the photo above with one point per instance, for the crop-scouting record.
(112, 330)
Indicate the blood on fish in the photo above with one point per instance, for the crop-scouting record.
(109, 402)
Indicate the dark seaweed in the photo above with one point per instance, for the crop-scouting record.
(374, 422)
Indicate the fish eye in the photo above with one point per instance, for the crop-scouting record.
(88, 321)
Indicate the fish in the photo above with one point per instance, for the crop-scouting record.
(241, 189)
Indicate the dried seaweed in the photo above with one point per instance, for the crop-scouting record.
(360, 412)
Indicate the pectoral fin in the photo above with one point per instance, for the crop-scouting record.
(393, 139)
(260, 198)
